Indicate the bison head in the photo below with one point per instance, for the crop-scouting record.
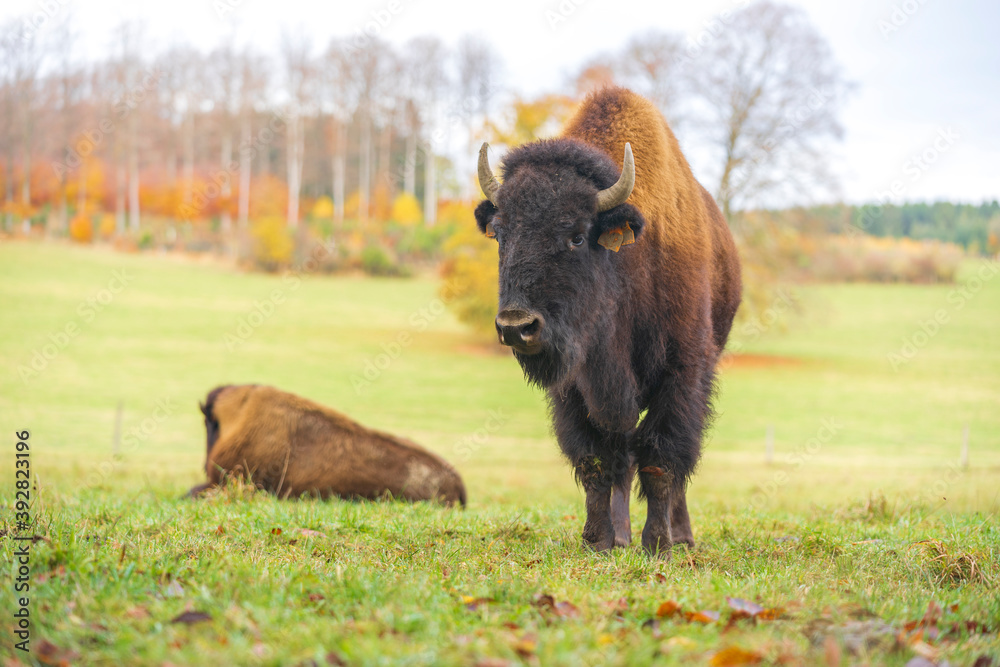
(559, 218)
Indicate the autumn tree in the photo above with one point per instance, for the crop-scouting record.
(767, 92)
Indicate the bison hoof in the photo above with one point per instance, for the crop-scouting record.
(657, 546)
(600, 546)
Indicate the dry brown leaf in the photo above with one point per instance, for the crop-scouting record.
(50, 654)
(668, 609)
(832, 652)
(191, 617)
(309, 533)
(472, 604)
(734, 656)
(526, 646)
(137, 612)
(751, 609)
(276, 531)
(654, 625)
(705, 616)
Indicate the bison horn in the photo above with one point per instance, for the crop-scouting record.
(487, 181)
(617, 193)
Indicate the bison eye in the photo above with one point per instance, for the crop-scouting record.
(578, 241)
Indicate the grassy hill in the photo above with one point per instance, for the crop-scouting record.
(863, 513)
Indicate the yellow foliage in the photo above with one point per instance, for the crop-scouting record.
(406, 210)
(273, 244)
(107, 225)
(322, 209)
(457, 214)
(81, 229)
(529, 120)
(268, 197)
(352, 206)
(381, 207)
(471, 276)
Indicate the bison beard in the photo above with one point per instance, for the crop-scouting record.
(607, 333)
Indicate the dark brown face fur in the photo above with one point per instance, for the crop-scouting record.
(547, 228)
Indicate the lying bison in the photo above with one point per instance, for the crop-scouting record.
(291, 446)
(610, 334)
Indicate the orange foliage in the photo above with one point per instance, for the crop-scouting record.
(81, 229)
(381, 208)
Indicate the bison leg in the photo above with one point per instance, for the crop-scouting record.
(620, 518)
(668, 446)
(598, 531)
(680, 522)
(601, 464)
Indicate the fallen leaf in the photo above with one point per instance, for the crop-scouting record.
(316, 597)
(526, 646)
(492, 662)
(654, 625)
(276, 531)
(220, 530)
(333, 658)
(173, 590)
(309, 533)
(678, 643)
(832, 652)
(50, 654)
(546, 602)
(983, 661)
(668, 609)
(734, 656)
(567, 610)
(137, 612)
(472, 604)
(616, 607)
(751, 609)
(771, 614)
(660, 578)
(191, 617)
(705, 617)
(920, 661)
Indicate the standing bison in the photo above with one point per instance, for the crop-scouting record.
(609, 328)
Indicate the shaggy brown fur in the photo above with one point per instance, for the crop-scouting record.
(291, 446)
(612, 334)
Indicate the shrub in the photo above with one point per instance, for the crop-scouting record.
(273, 245)
(470, 273)
(81, 229)
(376, 261)
(406, 210)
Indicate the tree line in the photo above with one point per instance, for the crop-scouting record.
(191, 135)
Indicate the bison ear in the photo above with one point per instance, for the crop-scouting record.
(484, 214)
(617, 227)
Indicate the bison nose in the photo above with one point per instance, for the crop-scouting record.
(519, 328)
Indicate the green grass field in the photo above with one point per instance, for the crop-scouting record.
(861, 521)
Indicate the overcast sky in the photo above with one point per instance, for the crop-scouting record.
(936, 74)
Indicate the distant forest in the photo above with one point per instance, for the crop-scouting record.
(975, 228)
